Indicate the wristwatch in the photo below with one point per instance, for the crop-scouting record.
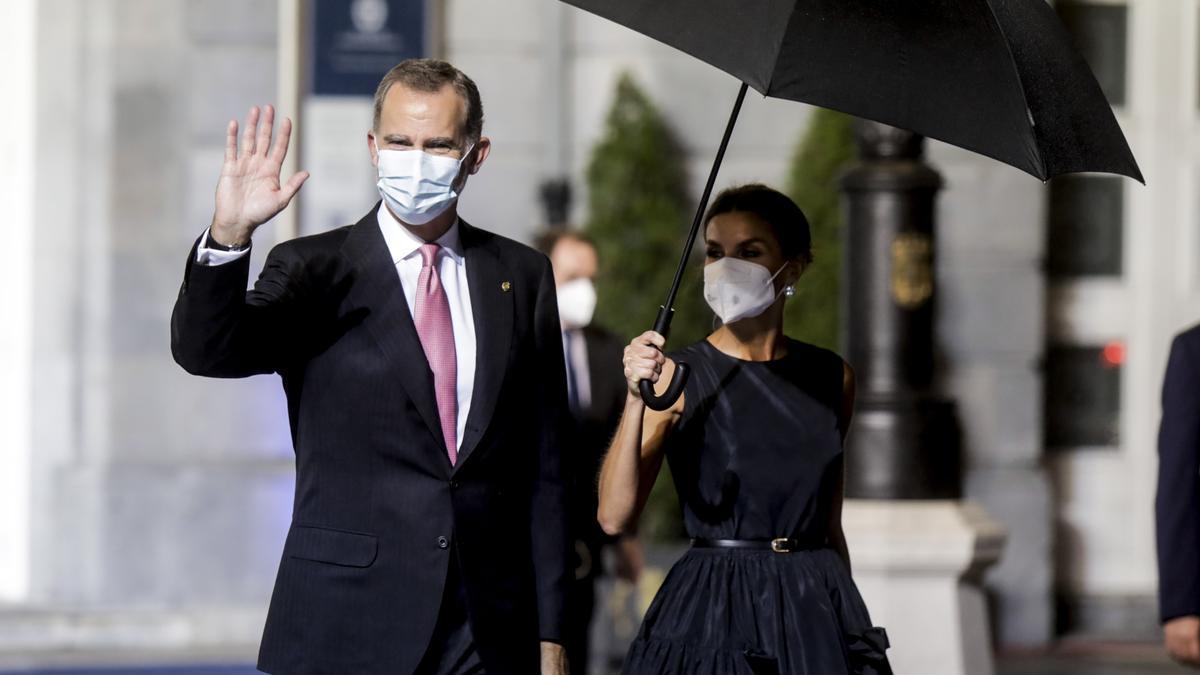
(217, 246)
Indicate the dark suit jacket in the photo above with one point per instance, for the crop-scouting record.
(378, 509)
(593, 429)
(1177, 505)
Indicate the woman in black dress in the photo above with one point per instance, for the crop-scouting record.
(755, 448)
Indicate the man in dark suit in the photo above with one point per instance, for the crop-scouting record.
(596, 396)
(423, 368)
(1177, 506)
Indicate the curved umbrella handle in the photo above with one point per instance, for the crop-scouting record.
(662, 326)
(674, 390)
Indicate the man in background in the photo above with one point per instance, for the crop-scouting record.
(1177, 506)
(595, 396)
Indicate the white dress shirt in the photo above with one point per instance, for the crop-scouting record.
(404, 247)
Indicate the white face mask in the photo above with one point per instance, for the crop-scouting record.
(576, 303)
(416, 185)
(736, 289)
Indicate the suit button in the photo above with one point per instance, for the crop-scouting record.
(454, 484)
(443, 542)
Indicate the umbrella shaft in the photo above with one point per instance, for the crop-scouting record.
(668, 307)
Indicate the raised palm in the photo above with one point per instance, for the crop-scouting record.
(249, 192)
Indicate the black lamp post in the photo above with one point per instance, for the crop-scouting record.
(555, 195)
(905, 438)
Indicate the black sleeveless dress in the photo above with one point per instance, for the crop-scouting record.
(756, 456)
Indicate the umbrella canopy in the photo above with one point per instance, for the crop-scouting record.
(997, 77)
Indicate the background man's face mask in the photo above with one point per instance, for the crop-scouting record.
(737, 289)
(576, 302)
(416, 185)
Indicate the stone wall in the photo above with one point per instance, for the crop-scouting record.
(153, 490)
(991, 329)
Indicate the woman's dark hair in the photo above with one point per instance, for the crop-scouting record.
(775, 209)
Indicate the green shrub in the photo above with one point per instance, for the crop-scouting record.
(638, 214)
(827, 147)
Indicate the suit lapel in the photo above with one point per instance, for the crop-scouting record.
(391, 324)
(492, 310)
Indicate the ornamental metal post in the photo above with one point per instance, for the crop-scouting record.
(905, 438)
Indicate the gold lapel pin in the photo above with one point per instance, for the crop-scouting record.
(505, 286)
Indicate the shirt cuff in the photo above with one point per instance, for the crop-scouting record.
(211, 257)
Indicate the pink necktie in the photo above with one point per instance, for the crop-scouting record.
(437, 339)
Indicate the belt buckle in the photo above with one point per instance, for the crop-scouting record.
(781, 545)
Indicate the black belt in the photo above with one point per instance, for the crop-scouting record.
(778, 545)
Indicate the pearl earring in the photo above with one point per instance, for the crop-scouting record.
(789, 290)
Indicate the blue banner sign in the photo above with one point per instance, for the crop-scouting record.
(354, 42)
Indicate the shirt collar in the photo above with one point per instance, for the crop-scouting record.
(402, 243)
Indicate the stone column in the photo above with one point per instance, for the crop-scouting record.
(18, 119)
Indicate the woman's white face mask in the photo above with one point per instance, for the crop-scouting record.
(736, 289)
(416, 185)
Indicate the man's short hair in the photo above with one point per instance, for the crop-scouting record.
(430, 75)
(546, 241)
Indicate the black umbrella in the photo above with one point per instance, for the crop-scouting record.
(997, 77)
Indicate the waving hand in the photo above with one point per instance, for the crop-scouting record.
(249, 192)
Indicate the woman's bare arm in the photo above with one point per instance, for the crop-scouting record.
(636, 452)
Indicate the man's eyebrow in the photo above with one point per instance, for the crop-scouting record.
(440, 141)
(395, 138)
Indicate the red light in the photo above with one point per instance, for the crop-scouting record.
(1113, 354)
